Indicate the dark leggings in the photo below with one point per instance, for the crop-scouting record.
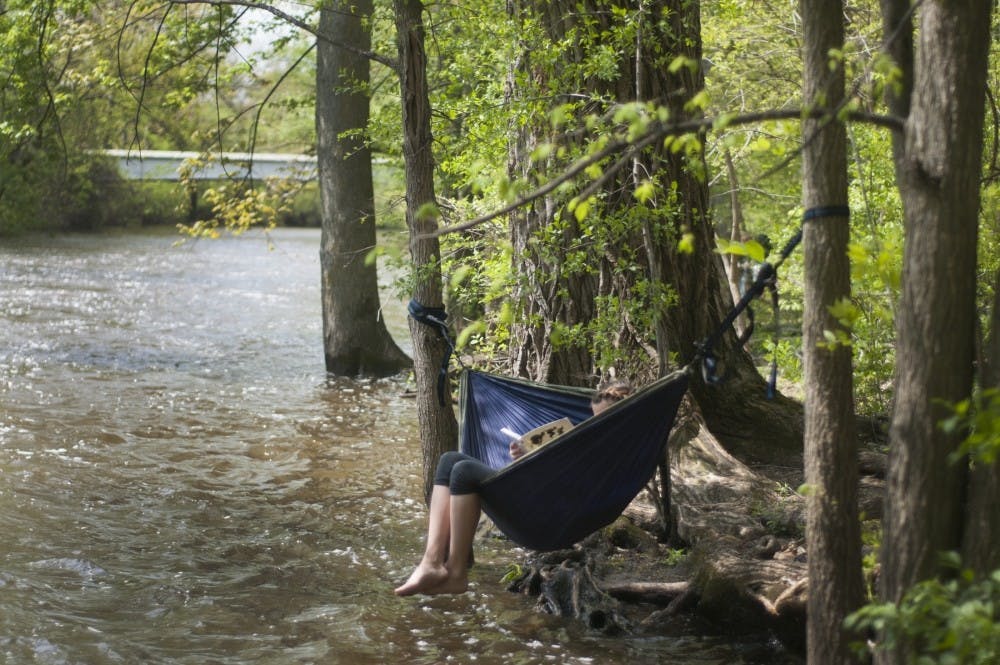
(460, 473)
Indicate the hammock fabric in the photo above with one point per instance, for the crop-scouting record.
(582, 480)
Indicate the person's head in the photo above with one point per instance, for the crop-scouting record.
(608, 394)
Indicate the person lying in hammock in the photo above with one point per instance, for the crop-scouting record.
(455, 508)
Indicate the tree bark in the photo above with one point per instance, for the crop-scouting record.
(552, 295)
(981, 539)
(736, 410)
(833, 537)
(691, 296)
(355, 338)
(897, 28)
(438, 427)
(938, 178)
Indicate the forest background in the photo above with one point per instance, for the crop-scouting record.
(80, 77)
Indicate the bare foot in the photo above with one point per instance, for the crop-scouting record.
(453, 583)
(424, 577)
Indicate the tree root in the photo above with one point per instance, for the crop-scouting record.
(742, 532)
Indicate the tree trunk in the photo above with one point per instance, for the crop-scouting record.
(833, 537)
(734, 267)
(939, 185)
(736, 410)
(691, 293)
(355, 338)
(438, 427)
(552, 295)
(981, 540)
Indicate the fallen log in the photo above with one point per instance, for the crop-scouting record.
(656, 593)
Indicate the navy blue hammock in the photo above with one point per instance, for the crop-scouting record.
(582, 480)
(585, 478)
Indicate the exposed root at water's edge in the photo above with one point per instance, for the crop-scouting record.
(738, 567)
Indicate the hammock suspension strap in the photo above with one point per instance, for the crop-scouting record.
(767, 278)
(437, 318)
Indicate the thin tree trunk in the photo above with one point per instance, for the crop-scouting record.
(355, 338)
(833, 537)
(897, 29)
(730, 262)
(981, 540)
(438, 427)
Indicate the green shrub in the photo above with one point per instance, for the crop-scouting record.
(937, 622)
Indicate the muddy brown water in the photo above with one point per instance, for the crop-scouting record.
(181, 483)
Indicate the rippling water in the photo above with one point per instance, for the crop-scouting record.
(180, 482)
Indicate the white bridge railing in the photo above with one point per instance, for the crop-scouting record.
(167, 165)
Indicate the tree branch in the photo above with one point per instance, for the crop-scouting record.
(659, 130)
(297, 22)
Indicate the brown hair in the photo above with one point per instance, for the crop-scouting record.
(613, 391)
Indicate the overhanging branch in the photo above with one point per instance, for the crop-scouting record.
(658, 131)
(297, 22)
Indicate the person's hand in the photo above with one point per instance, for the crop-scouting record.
(516, 449)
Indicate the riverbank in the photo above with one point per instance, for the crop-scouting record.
(738, 564)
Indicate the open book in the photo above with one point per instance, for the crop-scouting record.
(535, 439)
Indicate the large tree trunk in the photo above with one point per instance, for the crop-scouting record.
(736, 410)
(833, 537)
(438, 427)
(552, 294)
(355, 338)
(691, 296)
(938, 177)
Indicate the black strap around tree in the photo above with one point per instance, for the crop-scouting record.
(766, 278)
(436, 317)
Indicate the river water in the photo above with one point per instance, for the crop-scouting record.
(181, 483)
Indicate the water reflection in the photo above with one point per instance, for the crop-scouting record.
(180, 483)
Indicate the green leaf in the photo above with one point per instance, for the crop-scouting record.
(761, 144)
(459, 275)
(686, 244)
(462, 339)
(699, 102)
(723, 121)
(732, 248)
(644, 192)
(428, 211)
(756, 251)
(680, 62)
(542, 152)
(845, 311)
(372, 256)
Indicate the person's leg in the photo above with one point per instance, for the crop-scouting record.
(465, 511)
(431, 571)
(467, 477)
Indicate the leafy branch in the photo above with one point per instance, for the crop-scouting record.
(658, 130)
(297, 22)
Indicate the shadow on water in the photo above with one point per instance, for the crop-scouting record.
(180, 483)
